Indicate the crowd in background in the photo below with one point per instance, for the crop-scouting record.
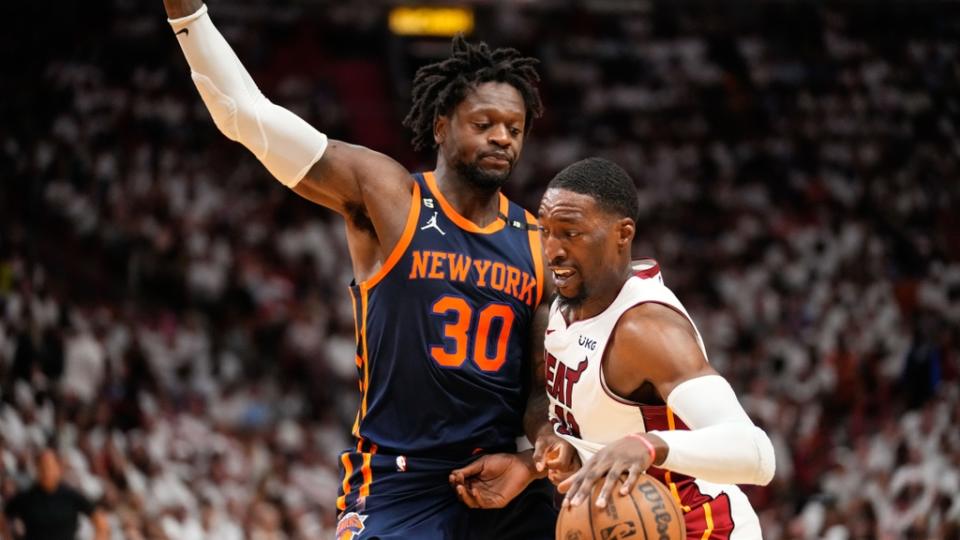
(177, 324)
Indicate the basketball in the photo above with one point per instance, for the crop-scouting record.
(648, 512)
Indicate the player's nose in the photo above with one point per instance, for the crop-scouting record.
(553, 249)
(499, 135)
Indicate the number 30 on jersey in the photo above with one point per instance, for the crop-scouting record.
(459, 319)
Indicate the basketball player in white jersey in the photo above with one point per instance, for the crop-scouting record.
(627, 374)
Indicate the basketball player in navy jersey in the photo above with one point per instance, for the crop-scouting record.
(448, 285)
(627, 373)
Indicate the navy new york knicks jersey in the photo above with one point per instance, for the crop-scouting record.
(442, 336)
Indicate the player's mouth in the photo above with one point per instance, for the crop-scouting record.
(497, 159)
(562, 275)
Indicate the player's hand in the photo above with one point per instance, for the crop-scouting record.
(493, 480)
(557, 457)
(628, 457)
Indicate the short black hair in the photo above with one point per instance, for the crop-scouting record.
(605, 181)
(439, 87)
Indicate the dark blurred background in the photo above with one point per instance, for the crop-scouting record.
(176, 322)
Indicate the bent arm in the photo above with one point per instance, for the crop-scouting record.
(298, 155)
(536, 419)
(658, 345)
(722, 445)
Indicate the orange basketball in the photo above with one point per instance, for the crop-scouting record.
(648, 512)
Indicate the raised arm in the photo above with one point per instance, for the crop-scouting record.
(655, 345)
(347, 178)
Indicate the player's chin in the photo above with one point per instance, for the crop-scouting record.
(496, 175)
(570, 291)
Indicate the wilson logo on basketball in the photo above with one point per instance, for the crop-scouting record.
(659, 508)
(649, 512)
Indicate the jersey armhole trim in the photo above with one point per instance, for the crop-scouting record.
(411, 226)
(533, 234)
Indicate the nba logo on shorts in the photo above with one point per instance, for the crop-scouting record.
(401, 464)
(350, 526)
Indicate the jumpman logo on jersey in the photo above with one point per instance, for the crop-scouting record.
(432, 223)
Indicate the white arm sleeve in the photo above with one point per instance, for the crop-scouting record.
(723, 445)
(281, 140)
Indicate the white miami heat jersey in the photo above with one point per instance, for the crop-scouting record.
(587, 414)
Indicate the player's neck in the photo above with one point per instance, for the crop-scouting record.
(472, 202)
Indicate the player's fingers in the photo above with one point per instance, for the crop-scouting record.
(557, 477)
(484, 500)
(539, 452)
(581, 493)
(612, 475)
(472, 469)
(466, 497)
(569, 487)
(584, 483)
(563, 458)
(633, 474)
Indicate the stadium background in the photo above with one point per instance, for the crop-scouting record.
(176, 322)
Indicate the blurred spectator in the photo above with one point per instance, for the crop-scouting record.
(49, 509)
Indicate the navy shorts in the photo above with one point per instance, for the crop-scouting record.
(396, 497)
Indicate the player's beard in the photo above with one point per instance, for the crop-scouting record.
(487, 181)
(574, 301)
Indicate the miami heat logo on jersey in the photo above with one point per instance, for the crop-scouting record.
(560, 382)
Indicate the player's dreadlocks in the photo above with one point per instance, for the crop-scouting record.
(439, 87)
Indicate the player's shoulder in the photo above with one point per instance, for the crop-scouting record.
(652, 324)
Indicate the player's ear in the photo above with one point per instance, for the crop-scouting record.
(626, 229)
(440, 125)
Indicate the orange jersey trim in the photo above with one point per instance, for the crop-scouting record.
(366, 359)
(358, 360)
(367, 472)
(347, 472)
(537, 252)
(411, 226)
(672, 426)
(461, 221)
(360, 327)
(356, 328)
(708, 515)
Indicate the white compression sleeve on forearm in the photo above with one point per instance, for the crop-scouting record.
(723, 445)
(281, 140)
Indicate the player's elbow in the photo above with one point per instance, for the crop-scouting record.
(766, 465)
